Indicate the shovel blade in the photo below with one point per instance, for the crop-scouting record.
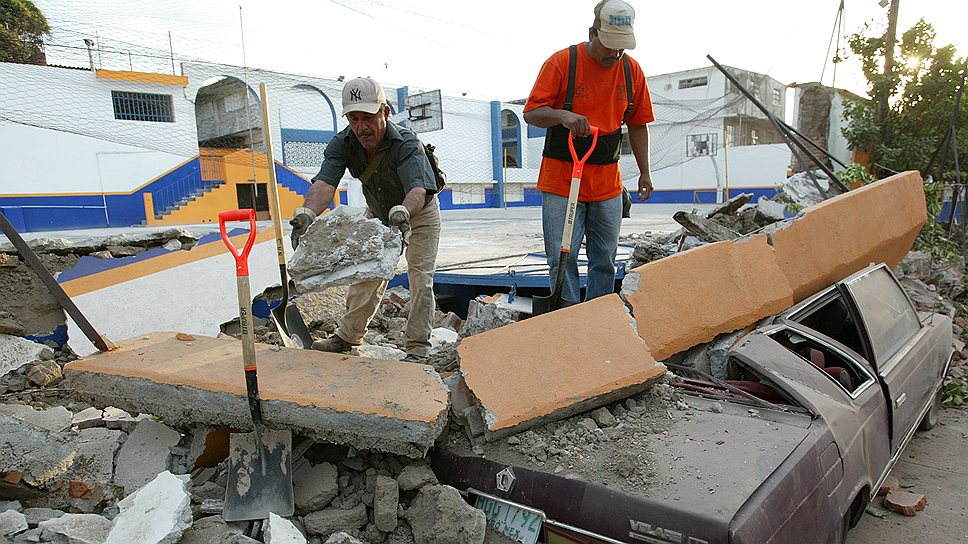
(289, 322)
(256, 488)
(554, 301)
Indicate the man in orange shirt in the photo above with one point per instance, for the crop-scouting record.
(591, 84)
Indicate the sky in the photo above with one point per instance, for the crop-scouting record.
(490, 50)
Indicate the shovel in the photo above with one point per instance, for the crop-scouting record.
(260, 463)
(543, 305)
(288, 320)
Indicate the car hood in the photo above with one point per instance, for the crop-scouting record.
(700, 470)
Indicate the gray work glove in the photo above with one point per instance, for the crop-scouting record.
(400, 217)
(301, 219)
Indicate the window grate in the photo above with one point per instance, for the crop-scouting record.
(130, 106)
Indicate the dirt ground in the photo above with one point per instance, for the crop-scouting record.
(934, 464)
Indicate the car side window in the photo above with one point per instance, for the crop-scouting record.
(832, 319)
(888, 316)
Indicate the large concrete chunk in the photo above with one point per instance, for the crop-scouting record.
(15, 352)
(556, 365)
(145, 454)
(76, 529)
(371, 404)
(690, 297)
(39, 454)
(343, 247)
(158, 513)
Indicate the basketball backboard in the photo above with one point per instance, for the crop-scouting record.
(424, 111)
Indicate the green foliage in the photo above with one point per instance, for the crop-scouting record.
(855, 173)
(921, 94)
(22, 31)
(955, 393)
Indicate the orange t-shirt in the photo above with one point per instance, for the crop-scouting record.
(601, 97)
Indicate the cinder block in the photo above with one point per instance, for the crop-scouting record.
(367, 403)
(556, 365)
(691, 297)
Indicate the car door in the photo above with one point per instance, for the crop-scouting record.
(892, 335)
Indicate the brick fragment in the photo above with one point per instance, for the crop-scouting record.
(890, 485)
(905, 503)
(184, 337)
(79, 490)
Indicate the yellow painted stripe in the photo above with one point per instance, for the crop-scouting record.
(142, 77)
(160, 263)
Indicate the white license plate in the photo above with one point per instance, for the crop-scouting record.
(513, 521)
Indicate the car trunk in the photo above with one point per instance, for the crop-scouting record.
(702, 467)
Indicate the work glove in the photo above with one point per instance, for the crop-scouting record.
(301, 219)
(400, 217)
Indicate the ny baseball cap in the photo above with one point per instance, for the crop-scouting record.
(614, 20)
(363, 94)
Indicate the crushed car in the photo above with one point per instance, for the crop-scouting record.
(815, 409)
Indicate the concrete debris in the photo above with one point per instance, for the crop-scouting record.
(801, 190)
(76, 529)
(144, 454)
(39, 454)
(315, 488)
(341, 538)
(86, 418)
(96, 448)
(281, 531)
(12, 522)
(416, 476)
(147, 239)
(330, 520)
(116, 418)
(55, 419)
(44, 373)
(487, 313)
(439, 515)
(209, 530)
(10, 325)
(706, 230)
(441, 337)
(158, 513)
(731, 206)
(769, 211)
(390, 353)
(343, 247)
(650, 249)
(386, 496)
(945, 276)
(15, 352)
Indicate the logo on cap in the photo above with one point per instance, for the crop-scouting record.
(356, 95)
(619, 20)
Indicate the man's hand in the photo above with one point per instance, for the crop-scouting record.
(645, 186)
(301, 219)
(577, 124)
(400, 217)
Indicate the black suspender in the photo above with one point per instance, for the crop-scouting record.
(573, 69)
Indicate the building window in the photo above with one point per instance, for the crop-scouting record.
(510, 139)
(777, 97)
(701, 145)
(693, 82)
(142, 107)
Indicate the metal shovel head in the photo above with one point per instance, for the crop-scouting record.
(260, 478)
(554, 301)
(298, 331)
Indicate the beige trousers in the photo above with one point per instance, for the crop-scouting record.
(363, 299)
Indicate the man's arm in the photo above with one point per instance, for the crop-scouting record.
(415, 199)
(546, 116)
(319, 196)
(639, 140)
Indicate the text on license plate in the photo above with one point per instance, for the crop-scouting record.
(515, 522)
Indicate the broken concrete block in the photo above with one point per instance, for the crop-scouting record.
(330, 520)
(343, 247)
(13, 522)
(11, 505)
(36, 516)
(731, 206)
(704, 229)
(769, 211)
(87, 418)
(603, 418)
(96, 448)
(416, 476)
(38, 454)
(315, 488)
(441, 337)
(341, 538)
(905, 503)
(76, 529)
(483, 315)
(15, 352)
(159, 512)
(10, 325)
(379, 352)
(372, 404)
(54, 419)
(44, 373)
(116, 418)
(589, 355)
(208, 530)
(439, 515)
(144, 455)
(280, 530)
(386, 496)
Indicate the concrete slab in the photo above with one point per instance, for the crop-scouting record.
(144, 455)
(186, 291)
(371, 404)
(689, 298)
(15, 352)
(158, 512)
(556, 365)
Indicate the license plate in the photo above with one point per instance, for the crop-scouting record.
(515, 522)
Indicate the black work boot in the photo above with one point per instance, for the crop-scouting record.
(333, 344)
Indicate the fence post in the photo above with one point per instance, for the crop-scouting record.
(149, 209)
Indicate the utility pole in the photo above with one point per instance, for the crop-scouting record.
(888, 86)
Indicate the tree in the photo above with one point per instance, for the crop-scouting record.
(22, 31)
(921, 88)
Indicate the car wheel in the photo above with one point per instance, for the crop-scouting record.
(930, 419)
(840, 537)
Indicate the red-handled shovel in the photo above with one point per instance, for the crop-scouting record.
(260, 463)
(541, 305)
